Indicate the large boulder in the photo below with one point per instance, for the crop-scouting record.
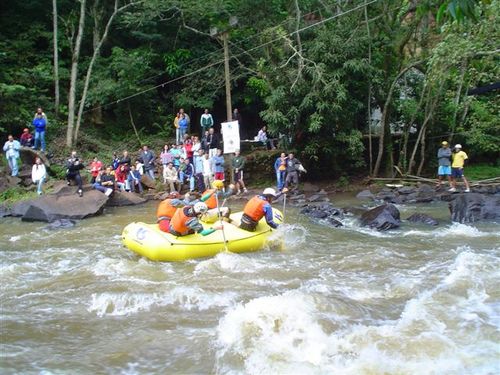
(472, 207)
(28, 156)
(382, 218)
(73, 207)
(122, 198)
(422, 219)
(425, 194)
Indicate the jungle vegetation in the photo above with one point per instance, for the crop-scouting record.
(354, 85)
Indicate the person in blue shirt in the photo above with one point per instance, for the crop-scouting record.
(40, 123)
(280, 169)
(183, 126)
(198, 170)
(218, 165)
(187, 175)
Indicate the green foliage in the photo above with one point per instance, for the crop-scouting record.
(482, 171)
(16, 194)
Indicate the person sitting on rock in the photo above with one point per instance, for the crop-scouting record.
(108, 179)
(100, 180)
(121, 178)
(38, 175)
(214, 199)
(257, 208)
(171, 177)
(134, 180)
(74, 165)
(185, 221)
(166, 210)
(26, 138)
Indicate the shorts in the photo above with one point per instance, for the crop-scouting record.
(457, 172)
(219, 176)
(238, 176)
(444, 170)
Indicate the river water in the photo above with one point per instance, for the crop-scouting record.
(416, 300)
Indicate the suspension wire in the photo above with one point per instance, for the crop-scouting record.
(234, 55)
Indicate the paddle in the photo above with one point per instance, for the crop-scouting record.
(220, 220)
(284, 207)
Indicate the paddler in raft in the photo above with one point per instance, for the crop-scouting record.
(166, 210)
(258, 207)
(186, 221)
(215, 197)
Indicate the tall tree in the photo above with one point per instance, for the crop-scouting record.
(56, 58)
(75, 57)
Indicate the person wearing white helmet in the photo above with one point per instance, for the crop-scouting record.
(258, 207)
(457, 168)
(185, 221)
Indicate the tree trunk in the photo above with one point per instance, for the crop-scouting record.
(422, 152)
(97, 50)
(74, 73)
(368, 104)
(385, 118)
(56, 59)
(133, 123)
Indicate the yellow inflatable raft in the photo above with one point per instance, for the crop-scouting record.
(149, 241)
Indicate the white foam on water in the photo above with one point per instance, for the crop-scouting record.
(450, 328)
(184, 298)
(451, 231)
(14, 238)
(140, 271)
(230, 263)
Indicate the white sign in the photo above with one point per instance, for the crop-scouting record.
(231, 136)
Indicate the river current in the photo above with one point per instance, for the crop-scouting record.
(349, 300)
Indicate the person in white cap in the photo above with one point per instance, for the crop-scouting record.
(444, 169)
(257, 208)
(457, 168)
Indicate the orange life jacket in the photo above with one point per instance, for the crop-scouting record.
(255, 208)
(179, 220)
(212, 201)
(165, 209)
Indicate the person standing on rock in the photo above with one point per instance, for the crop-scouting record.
(74, 165)
(280, 169)
(293, 167)
(206, 121)
(238, 164)
(38, 175)
(457, 168)
(40, 123)
(444, 160)
(148, 159)
(11, 148)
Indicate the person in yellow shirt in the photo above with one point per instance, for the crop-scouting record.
(457, 168)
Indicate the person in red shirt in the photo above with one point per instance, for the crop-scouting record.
(95, 167)
(26, 138)
(121, 177)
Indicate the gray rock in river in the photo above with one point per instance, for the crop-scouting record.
(123, 198)
(422, 218)
(365, 195)
(53, 207)
(472, 207)
(60, 224)
(323, 213)
(382, 218)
